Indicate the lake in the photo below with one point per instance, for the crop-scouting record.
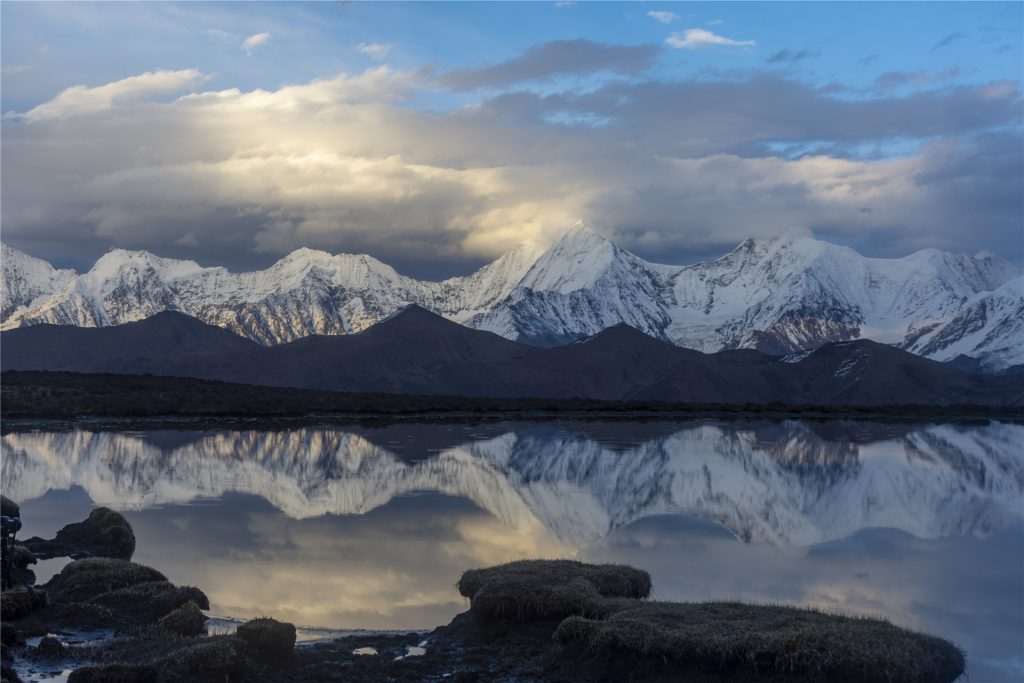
(371, 526)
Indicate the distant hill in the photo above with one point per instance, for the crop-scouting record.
(419, 353)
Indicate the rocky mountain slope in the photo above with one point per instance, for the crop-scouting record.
(418, 352)
(779, 296)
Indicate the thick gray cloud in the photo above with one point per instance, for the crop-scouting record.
(675, 170)
(553, 59)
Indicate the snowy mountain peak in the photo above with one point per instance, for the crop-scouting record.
(781, 295)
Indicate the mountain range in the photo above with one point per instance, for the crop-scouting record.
(780, 296)
(782, 483)
(418, 352)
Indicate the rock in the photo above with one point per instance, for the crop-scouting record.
(186, 620)
(21, 558)
(105, 533)
(115, 673)
(221, 658)
(8, 675)
(50, 648)
(8, 508)
(146, 602)
(20, 602)
(84, 580)
(9, 636)
(273, 641)
(552, 589)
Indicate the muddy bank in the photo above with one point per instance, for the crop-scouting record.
(107, 619)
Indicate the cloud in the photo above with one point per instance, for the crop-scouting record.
(13, 69)
(82, 99)
(868, 59)
(714, 22)
(792, 56)
(954, 37)
(695, 38)
(892, 80)
(553, 59)
(677, 170)
(663, 17)
(254, 41)
(375, 50)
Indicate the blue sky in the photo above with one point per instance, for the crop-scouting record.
(880, 92)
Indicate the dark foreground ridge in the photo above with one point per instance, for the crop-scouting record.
(132, 400)
(557, 621)
(416, 352)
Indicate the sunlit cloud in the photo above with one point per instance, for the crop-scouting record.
(254, 41)
(696, 38)
(82, 99)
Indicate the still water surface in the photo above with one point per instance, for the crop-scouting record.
(370, 527)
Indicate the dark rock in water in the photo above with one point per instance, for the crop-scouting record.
(8, 675)
(10, 636)
(21, 558)
(747, 642)
(551, 589)
(8, 508)
(186, 620)
(21, 602)
(50, 648)
(273, 640)
(105, 533)
(115, 673)
(85, 580)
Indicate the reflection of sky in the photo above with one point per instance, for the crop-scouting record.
(395, 565)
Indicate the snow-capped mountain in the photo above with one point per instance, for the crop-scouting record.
(782, 295)
(785, 484)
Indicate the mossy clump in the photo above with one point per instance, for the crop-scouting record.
(50, 647)
(82, 615)
(151, 600)
(272, 640)
(115, 673)
(215, 659)
(742, 640)
(8, 675)
(83, 580)
(186, 620)
(104, 533)
(552, 589)
(19, 603)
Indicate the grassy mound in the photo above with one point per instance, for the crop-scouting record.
(186, 620)
(552, 589)
(115, 673)
(20, 602)
(752, 640)
(152, 599)
(272, 640)
(86, 579)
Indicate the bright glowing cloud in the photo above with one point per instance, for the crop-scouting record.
(696, 38)
(82, 99)
(663, 17)
(254, 41)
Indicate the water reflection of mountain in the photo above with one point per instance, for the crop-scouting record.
(783, 483)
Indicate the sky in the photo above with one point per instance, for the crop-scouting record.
(435, 136)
